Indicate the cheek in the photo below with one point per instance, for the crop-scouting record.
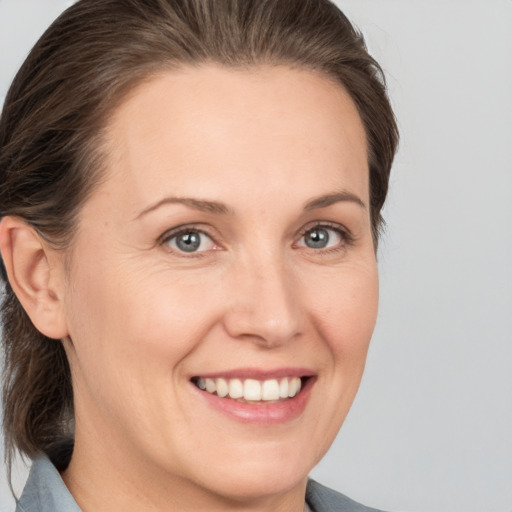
(130, 336)
(348, 308)
(130, 317)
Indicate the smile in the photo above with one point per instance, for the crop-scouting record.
(251, 390)
(255, 396)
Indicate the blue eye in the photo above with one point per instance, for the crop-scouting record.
(322, 237)
(189, 241)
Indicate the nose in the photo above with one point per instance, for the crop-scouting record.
(265, 304)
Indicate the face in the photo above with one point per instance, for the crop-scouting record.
(222, 289)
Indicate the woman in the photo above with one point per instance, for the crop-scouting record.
(191, 195)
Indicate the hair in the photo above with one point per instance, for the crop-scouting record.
(52, 128)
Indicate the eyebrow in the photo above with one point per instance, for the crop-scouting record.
(329, 199)
(221, 209)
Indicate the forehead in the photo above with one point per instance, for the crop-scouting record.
(198, 127)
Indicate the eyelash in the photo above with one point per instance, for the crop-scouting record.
(347, 238)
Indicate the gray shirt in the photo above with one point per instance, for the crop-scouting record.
(46, 492)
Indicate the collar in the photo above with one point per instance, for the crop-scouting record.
(45, 491)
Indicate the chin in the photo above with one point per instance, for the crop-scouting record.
(261, 472)
(259, 483)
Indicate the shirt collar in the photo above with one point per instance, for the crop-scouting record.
(45, 491)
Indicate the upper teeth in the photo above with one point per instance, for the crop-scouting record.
(251, 389)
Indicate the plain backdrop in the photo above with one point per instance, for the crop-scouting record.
(431, 429)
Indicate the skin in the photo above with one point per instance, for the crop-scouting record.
(139, 317)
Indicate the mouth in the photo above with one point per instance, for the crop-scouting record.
(257, 396)
(253, 391)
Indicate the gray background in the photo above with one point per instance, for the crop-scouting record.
(431, 429)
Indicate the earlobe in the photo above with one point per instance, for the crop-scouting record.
(33, 275)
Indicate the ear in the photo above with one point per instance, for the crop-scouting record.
(35, 273)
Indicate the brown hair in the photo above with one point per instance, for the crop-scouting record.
(60, 101)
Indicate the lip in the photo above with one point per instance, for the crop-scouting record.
(258, 374)
(260, 414)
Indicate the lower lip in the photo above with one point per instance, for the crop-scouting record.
(262, 414)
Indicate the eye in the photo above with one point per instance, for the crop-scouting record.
(323, 237)
(189, 241)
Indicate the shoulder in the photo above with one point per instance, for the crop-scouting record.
(45, 491)
(323, 499)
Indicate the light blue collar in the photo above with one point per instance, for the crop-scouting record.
(45, 491)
